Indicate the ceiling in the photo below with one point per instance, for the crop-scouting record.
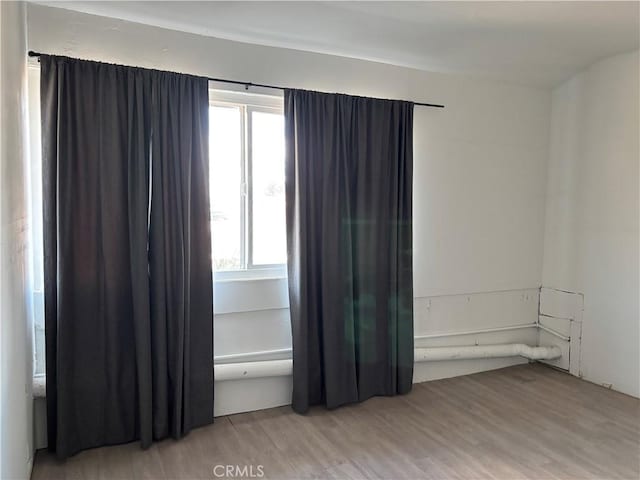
(532, 43)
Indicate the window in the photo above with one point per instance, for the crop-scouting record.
(246, 142)
(36, 257)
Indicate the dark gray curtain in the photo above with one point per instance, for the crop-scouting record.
(348, 189)
(180, 257)
(128, 287)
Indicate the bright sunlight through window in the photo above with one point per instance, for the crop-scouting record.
(246, 142)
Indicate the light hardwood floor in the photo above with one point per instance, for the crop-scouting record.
(528, 421)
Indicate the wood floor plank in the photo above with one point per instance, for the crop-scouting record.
(522, 422)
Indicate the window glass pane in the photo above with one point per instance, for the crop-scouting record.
(225, 154)
(267, 177)
(36, 266)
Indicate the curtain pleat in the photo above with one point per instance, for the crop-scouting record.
(180, 257)
(348, 188)
(115, 343)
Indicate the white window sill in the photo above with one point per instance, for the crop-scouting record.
(251, 275)
(39, 386)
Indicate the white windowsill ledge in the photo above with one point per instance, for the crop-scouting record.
(247, 279)
(250, 275)
(39, 386)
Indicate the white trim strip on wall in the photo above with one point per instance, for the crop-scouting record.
(474, 332)
(553, 332)
(284, 353)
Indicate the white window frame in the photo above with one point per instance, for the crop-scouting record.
(248, 103)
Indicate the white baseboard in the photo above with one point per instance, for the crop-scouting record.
(428, 371)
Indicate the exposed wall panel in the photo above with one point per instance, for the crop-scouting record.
(248, 332)
(452, 313)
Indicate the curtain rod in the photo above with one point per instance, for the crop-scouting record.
(31, 53)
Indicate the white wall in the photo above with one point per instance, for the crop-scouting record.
(479, 180)
(591, 229)
(16, 447)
